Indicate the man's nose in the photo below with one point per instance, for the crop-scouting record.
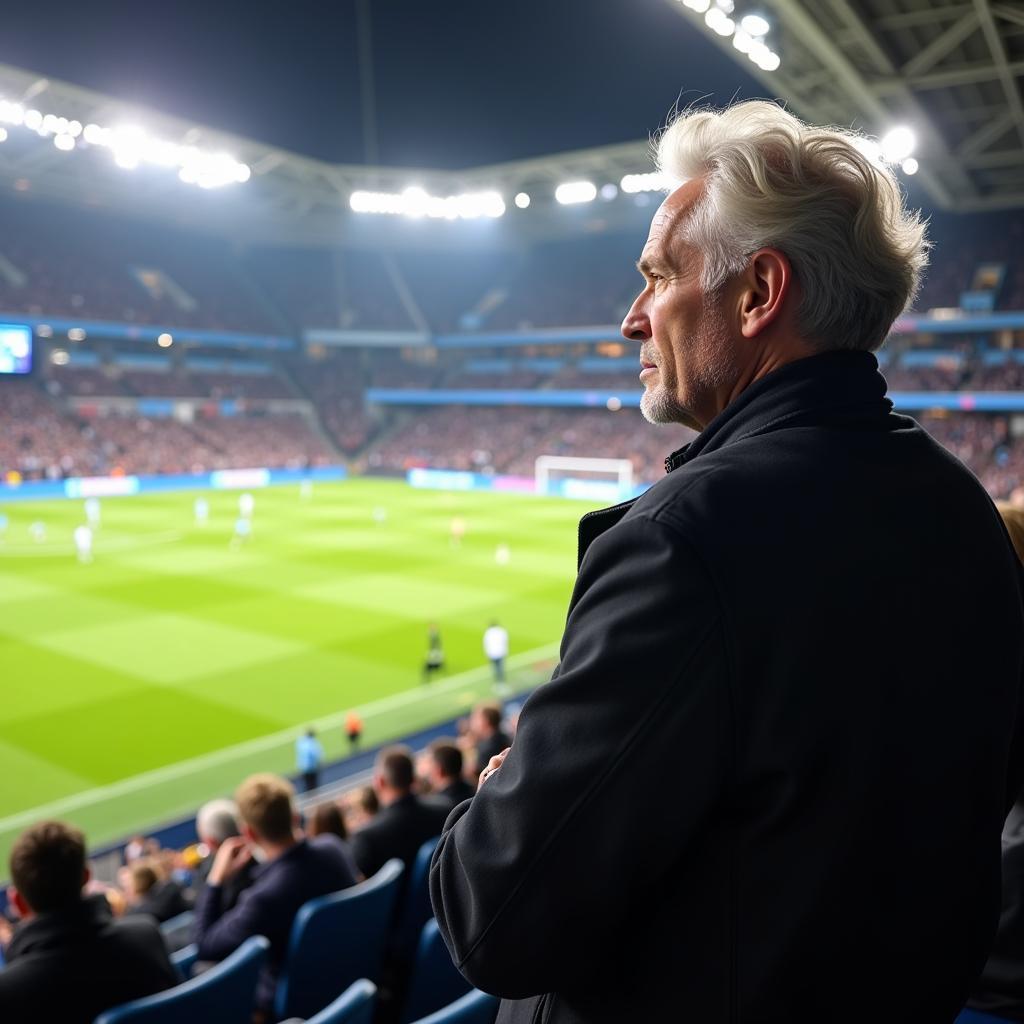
(637, 325)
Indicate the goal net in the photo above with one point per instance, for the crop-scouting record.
(569, 477)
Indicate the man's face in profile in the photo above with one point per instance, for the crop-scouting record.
(686, 349)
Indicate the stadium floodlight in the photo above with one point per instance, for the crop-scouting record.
(417, 202)
(909, 166)
(654, 181)
(11, 113)
(522, 200)
(130, 146)
(164, 340)
(754, 25)
(575, 192)
(609, 191)
(742, 40)
(898, 144)
(44, 331)
(725, 5)
(718, 21)
(59, 357)
(700, 6)
(3, 134)
(76, 334)
(768, 61)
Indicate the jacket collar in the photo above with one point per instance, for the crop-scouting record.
(825, 387)
(60, 928)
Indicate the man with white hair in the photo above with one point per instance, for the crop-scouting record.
(761, 787)
(216, 822)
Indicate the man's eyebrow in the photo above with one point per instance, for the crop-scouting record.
(646, 265)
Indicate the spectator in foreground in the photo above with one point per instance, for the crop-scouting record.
(1000, 989)
(738, 799)
(294, 870)
(442, 769)
(404, 822)
(69, 960)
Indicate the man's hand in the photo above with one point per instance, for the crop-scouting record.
(229, 858)
(492, 766)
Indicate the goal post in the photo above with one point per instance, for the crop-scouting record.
(571, 477)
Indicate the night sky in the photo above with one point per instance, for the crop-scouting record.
(457, 83)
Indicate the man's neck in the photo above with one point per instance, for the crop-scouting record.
(272, 851)
(388, 797)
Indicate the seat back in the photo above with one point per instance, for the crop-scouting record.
(414, 909)
(474, 1007)
(435, 980)
(974, 1017)
(354, 1005)
(177, 932)
(336, 940)
(225, 994)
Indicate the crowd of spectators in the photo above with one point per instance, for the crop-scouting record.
(40, 439)
(254, 864)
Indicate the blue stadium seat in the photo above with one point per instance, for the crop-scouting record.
(184, 959)
(177, 931)
(974, 1017)
(354, 1005)
(474, 1007)
(414, 909)
(225, 994)
(435, 981)
(336, 940)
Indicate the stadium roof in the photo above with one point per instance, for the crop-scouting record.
(950, 70)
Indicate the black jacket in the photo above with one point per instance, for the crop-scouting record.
(164, 901)
(767, 783)
(398, 830)
(70, 966)
(1000, 989)
(454, 793)
(312, 867)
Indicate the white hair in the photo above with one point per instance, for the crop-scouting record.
(217, 821)
(839, 217)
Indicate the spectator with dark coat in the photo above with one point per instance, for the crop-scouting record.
(69, 960)
(404, 822)
(216, 822)
(485, 726)
(739, 799)
(442, 767)
(1000, 989)
(293, 871)
(149, 893)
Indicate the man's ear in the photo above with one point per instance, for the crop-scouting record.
(248, 835)
(766, 286)
(19, 902)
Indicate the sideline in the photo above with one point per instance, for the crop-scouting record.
(225, 755)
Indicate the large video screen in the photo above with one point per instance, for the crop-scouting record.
(15, 349)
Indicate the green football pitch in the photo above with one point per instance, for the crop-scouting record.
(172, 665)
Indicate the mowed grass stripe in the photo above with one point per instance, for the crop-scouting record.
(187, 647)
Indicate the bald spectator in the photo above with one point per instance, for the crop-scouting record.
(294, 870)
(404, 822)
(68, 959)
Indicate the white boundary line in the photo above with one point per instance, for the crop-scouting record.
(254, 746)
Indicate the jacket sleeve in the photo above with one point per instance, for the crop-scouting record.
(218, 934)
(624, 753)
